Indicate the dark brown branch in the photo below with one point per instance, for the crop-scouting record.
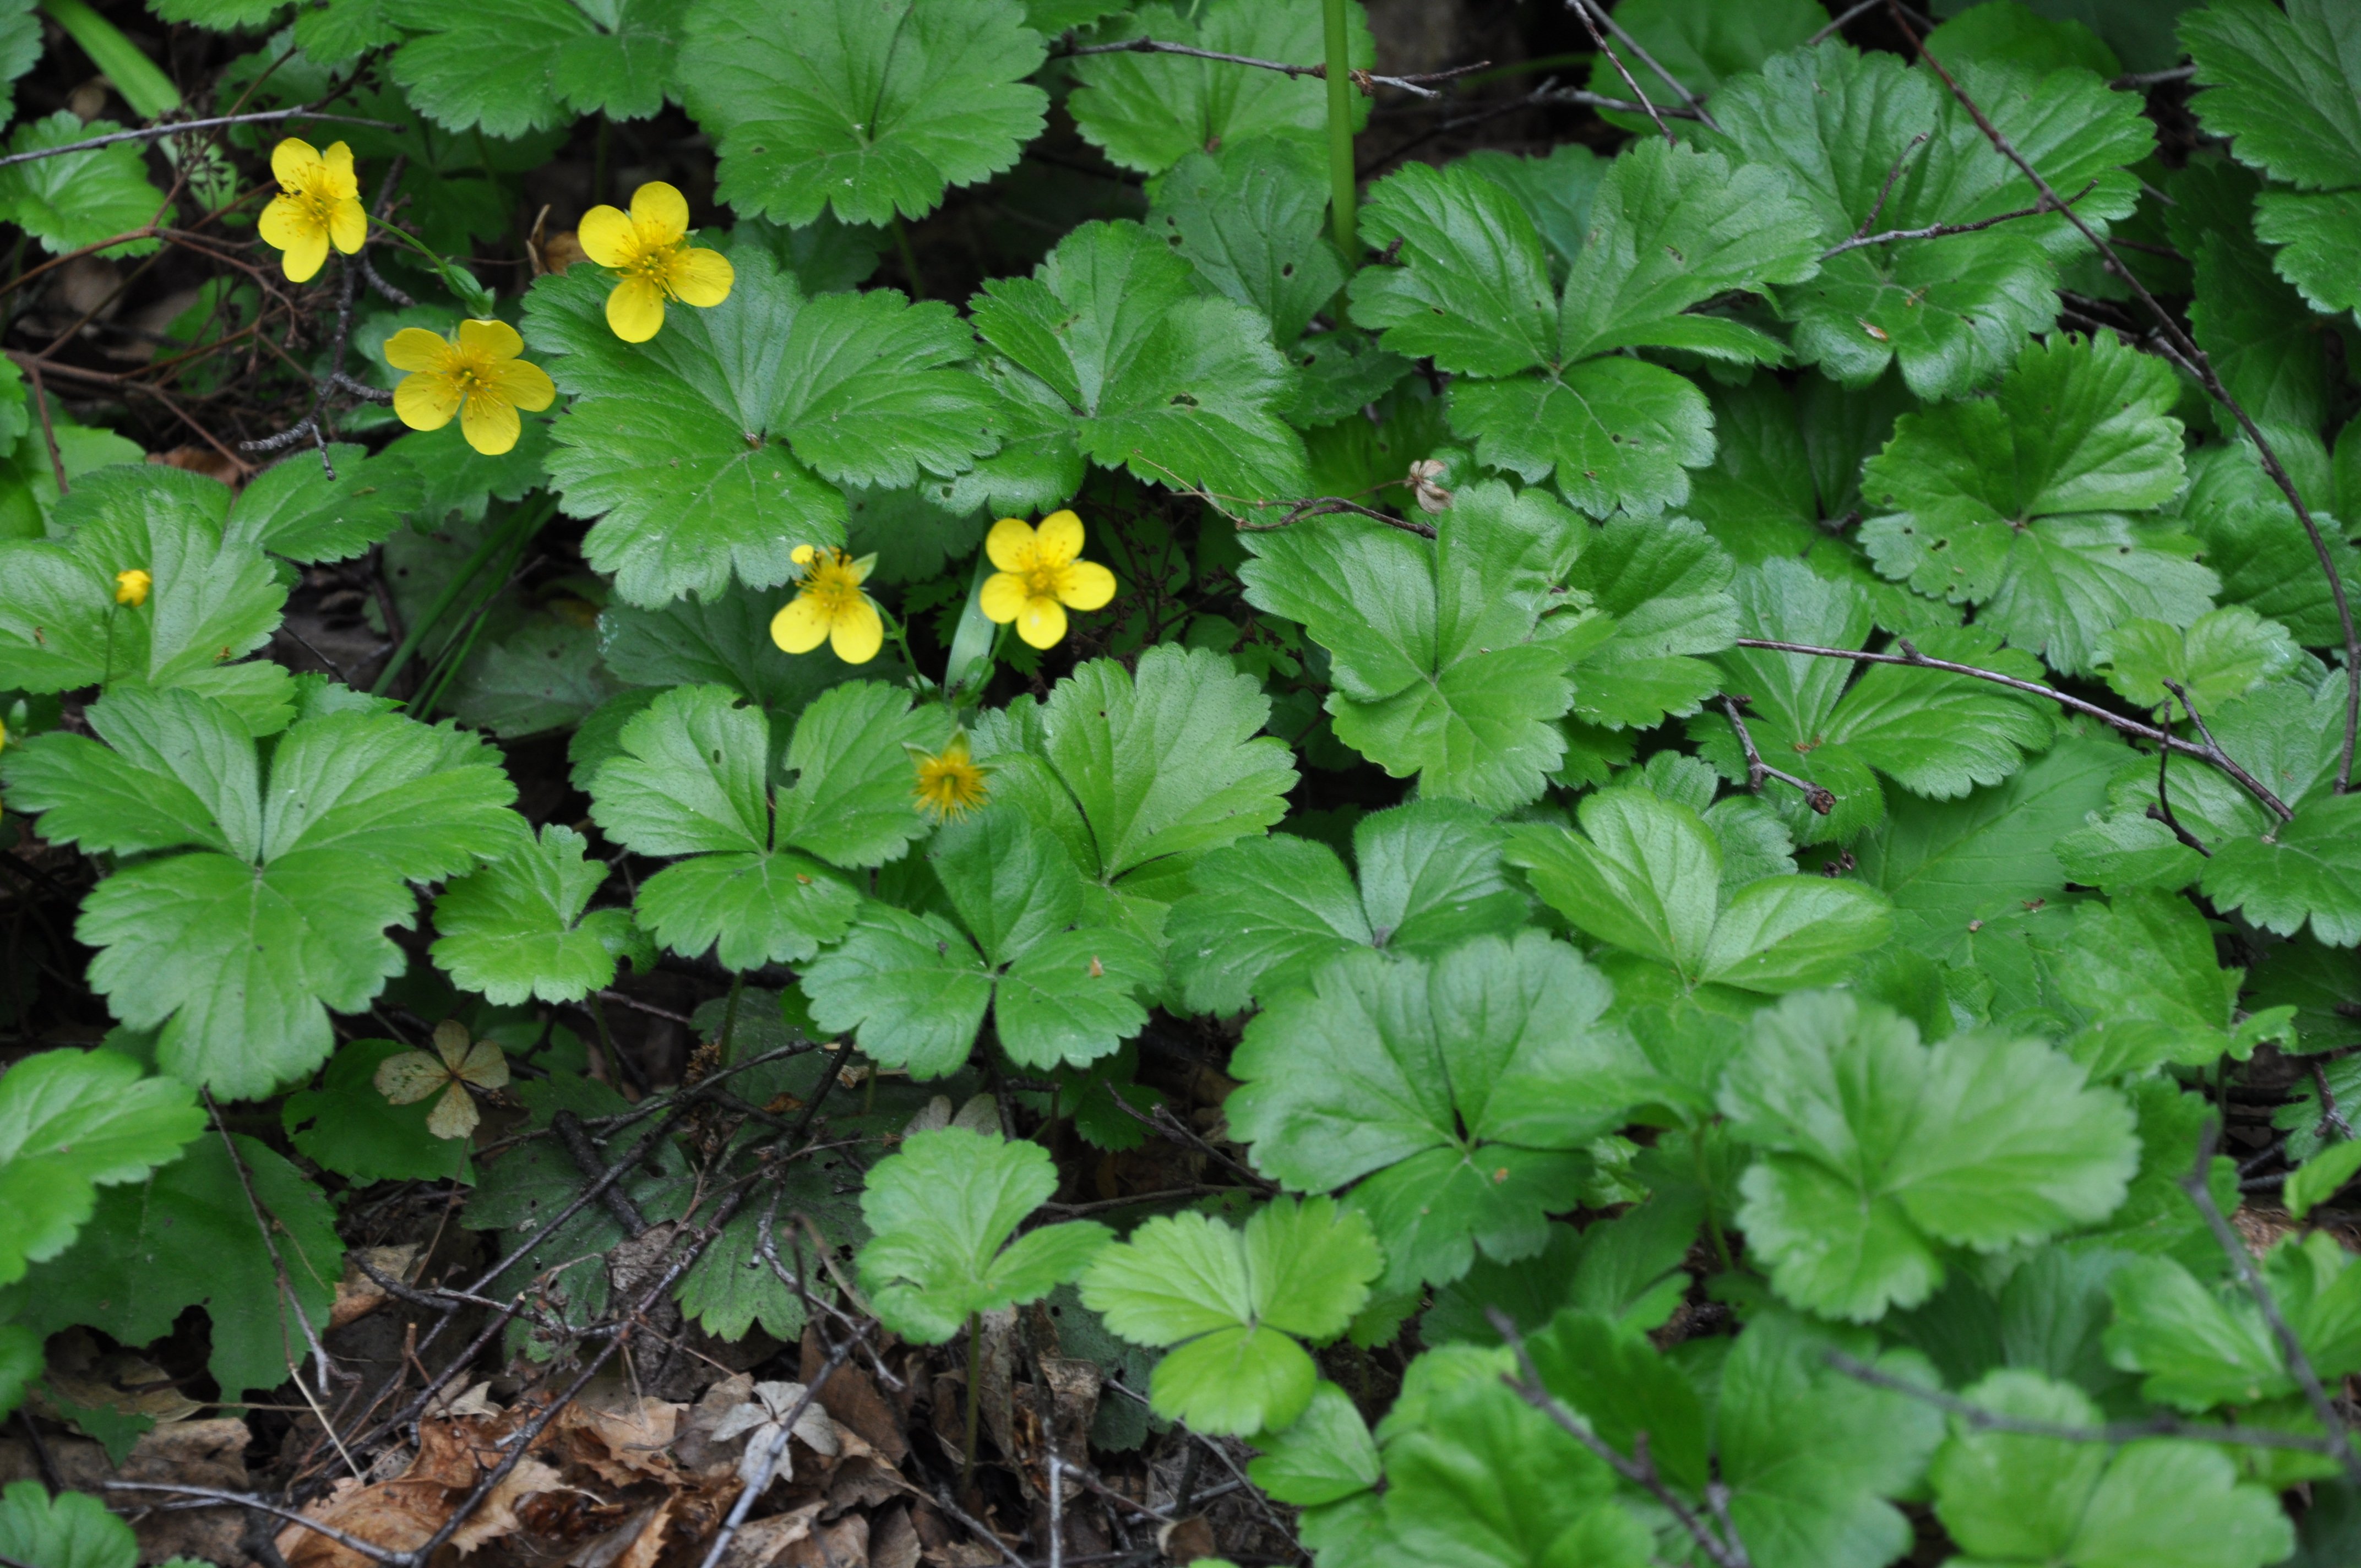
(1590, 23)
(1944, 231)
(2162, 810)
(2221, 759)
(1680, 89)
(1816, 796)
(593, 1167)
(174, 128)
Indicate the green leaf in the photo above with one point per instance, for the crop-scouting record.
(20, 48)
(717, 445)
(72, 1529)
(1231, 1301)
(1268, 912)
(506, 66)
(869, 110)
(2219, 657)
(1702, 44)
(517, 930)
(1436, 665)
(74, 200)
(1953, 310)
(2255, 330)
(1935, 735)
(240, 948)
(691, 779)
(1180, 389)
(1324, 1456)
(347, 1125)
(2018, 502)
(1668, 229)
(2306, 870)
(1658, 595)
(189, 1237)
(1149, 110)
(1249, 218)
(71, 1122)
(294, 509)
(2005, 1497)
(2315, 233)
(2321, 1178)
(212, 600)
(941, 1212)
(1879, 1152)
(1644, 874)
(2282, 85)
(1461, 1088)
(912, 986)
(2141, 968)
(2252, 541)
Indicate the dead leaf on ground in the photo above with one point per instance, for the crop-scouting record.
(358, 1295)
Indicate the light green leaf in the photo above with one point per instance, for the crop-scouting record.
(74, 200)
(2217, 658)
(1880, 1151)
(72, 1529)
(71, 1122)
(941, 1212)
(518, 930)
(1324, 1456)
(2306, 870)
(2321, 1177)
(510, 66)
(1659, 596)
(912, 986)
(1702, 44)
(1249, 218)
(295, 509)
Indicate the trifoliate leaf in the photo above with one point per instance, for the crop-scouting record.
(1954, 311)
(517, 928)
(1268, 912)
(1669, 228)
(1138, 774)
(1644, 874)
(71, 1122)
(1149, 110)
(211, 598)
(1462, 1088)
(694, 778)
(241, 947)
(188, 1236)
(350, 1127)
(704, 450)
(2018, 502)
(1935, 734)
(1436, 669)
(1977, 1142)
(1180, 389)
(913, 987)
(869, 110)
(72, 1529)
(2010, 1498)
(1658, 595)
(511, 66)
(1230, 1300)
(74, 200)
(941, 1213)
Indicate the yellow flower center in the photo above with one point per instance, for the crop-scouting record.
(1044, 581)
(949, 785)
(313, 192)
(830, 582)
(660, 263)
(472, 375)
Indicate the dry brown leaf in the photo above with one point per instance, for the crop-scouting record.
(759, 1542)
(621, 1437)
(497, 1516)
(356, 1294)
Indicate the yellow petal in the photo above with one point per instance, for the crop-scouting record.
(1002, 599)
(607, 236)
(702, 277)
(799, 627)
(492, 338)
(306, 256)
(451, 1043)
(660, 207)
(291, 160)
(410, 1077)
(486, 1066)
(858, 633)
(802, 554)
(1061, 538)
(635, 310)
(490, 423)
(284, 224)
(415, 348)
(1043, 624)
(341, 180)
(1009, 545)
(454, 1115)
(347, 225)
(1087, 586)
(426, 402)
(527, 386)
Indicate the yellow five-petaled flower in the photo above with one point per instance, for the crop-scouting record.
(1041, 576)
(648, 251)
(474, 373)
(319, 204)
(950, 782)
(829, 606)
(131, 587)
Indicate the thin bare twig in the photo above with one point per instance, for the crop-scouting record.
(2162, 810)
(1367, 82)
(2196, 358)
(1680, 89)
(1819, 798)
(2330, 1117)
(1591, 24)
(2221, 759)
(174, 128)
(1945, 231)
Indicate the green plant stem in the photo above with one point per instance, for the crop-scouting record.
(425, 624)
(974, 1396)
(447, 666)
(909, 259)
(146, 88)
(1340, 129)
(730, 1011)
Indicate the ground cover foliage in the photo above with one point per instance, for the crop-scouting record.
(1038, 781)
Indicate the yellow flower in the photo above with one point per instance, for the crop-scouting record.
(648, 250)
(951, 784)
(131, 587)
(475, 374)
(413, 1075)
(1041, 575)
(829, 606)
(319, 202)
